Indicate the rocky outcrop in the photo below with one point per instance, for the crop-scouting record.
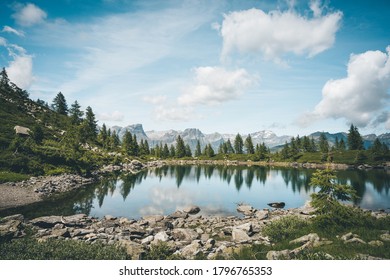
(185, 235)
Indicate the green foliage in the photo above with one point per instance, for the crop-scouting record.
(59, 104)
(250, 149)
(288, 227)
(330, 192)
(161, 251)
(238, 144)
(180, 147)
(30, 249)
(355, 140)
(6, 176)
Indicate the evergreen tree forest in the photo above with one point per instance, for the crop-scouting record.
(62, 138)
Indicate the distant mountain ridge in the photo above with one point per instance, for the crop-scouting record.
(192, 135)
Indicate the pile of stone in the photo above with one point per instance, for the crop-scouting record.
(133, 166)
(49, 185)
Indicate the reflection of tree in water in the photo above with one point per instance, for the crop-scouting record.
(238, 178)
(250, 175)
(297, 178)
(180, 173)
(198, 173)
(130, 181)
(261, 174)
(208, 171)
(103, 188)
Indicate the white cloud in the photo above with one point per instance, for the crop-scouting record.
(277, 33)
(169, 112)
(155, 100)
(20, 71)
(115, 116)
(20, 68)
(215, 85)
(29, 14)
(360, 97)
(9, 29)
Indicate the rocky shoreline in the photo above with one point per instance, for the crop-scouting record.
(185, 233)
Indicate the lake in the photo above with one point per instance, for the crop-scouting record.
(215, 189)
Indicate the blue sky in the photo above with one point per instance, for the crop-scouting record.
(293, 67)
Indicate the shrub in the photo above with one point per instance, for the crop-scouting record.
(286, 228)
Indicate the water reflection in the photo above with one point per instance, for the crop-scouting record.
(164, 190)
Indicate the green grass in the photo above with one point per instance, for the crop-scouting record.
(30, 249)
(6, 176)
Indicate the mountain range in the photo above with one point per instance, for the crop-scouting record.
(192, 135)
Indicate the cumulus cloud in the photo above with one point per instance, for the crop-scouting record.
(20, 68)
(29, 14)
(360, 97)
(113, 116)
(155, 100)
(215, 85)
(277, 33)
(9, 29)
(169, 112)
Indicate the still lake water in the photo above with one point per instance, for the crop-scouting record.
(215, 189)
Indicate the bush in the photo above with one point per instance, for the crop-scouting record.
(288, 227)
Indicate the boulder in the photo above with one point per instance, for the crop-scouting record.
(240, 236)
(278, 255)
(135, 250)
(261, 215)
(177, 215)
(311, 237)
(184, 234)
(191, 210)
(355, 240)
(247, 227)
(385, 237)
(247, 210)
(74, 220)
(277, 204)
(46, 221)
(162, 236)
(190, 251)
(376, 243)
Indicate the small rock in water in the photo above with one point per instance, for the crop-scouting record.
(277, 204)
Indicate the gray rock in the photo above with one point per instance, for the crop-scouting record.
(278, 255)
(190, 251)
(247, 227)
(311, 237)
(135, 250)
(262, 215)
(162, 236)
(376, 243)
(153, 219)
(184, 234)
(147, 240)
(178, 215)
(74, 220)
(247, 210)
(348, 236)
(385, 237)
(46, 221)
(240, 236)
(191, 210)
(355, 240)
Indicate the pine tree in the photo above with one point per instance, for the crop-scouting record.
(180, 147)
(59, 104)
(324, 145)
(127, 142)
(229, 147)
(355, 141)
(249, 145)
(198, 150)
(172, 151)
(238, 144)
(188, 151)
(103, 136)
(342, 146)
(89, 127)
(75, 113)
(165, 151)
(285, 153)
(208, 151)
